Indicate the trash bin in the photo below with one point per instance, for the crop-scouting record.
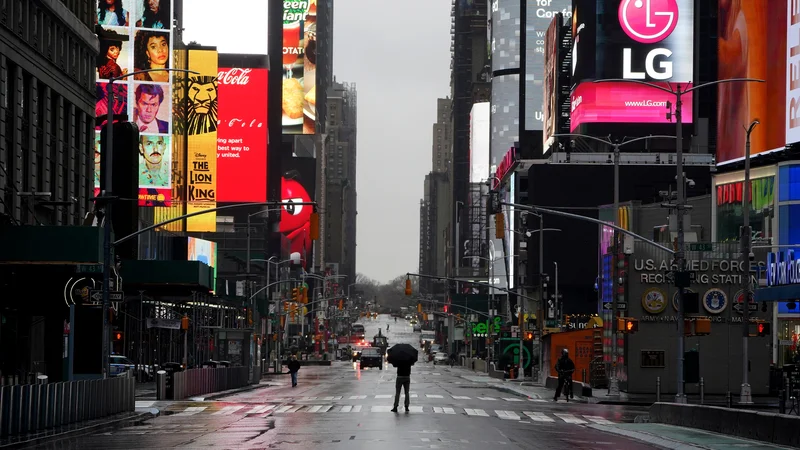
(170, 368)
(210, 364)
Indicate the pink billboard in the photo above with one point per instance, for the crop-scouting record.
(623, 102)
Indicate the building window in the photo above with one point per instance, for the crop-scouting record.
(653, 358)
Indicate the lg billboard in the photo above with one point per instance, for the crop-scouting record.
(639, 40)
(242, 133)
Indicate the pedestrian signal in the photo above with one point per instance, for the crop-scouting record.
(631, 325)
(529, 336)
(763, 329)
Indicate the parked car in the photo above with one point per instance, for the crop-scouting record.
(371, 357)
(417, 328)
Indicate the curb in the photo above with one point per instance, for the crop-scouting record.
(102, 426)
(648, 438)
(217, 395)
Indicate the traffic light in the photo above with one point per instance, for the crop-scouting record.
(341, 304)
(185, 322)
(763, 329)
(529, 335)
(619, 324)
(408, 286)
(313, 231)
(304, 293)
(702, 326)
(419, 307)
(118, 335)
(566, 321)
(446, 308)
(295, 294)
(631, 325)
(499, 226)
(250, 317)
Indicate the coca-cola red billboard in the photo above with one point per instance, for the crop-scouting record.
(242, 135)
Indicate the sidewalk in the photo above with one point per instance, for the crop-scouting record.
(76, 429)
(672, 437)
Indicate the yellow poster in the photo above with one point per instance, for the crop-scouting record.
(201, 130)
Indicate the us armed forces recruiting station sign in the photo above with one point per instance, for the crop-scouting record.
(201, 128)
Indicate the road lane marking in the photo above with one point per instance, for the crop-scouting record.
(313, 409)
(508, 415)
(294, 409)
(326, 398)
(339, 397)
(540, 400)
(309, 398)
(284, 408)
(449, 411)
(476, 412)
(192, 410)
(346, 408)
(358, 397)
(413, 396)
(357, 408)
(325, 408)
(416, 409)
(260, 409)
(433, 396)
(461, 397)
(227, 411)
(600, 420)
(538, 416)
(383, 396)
(569, 418)
(512, 399)
(437, 409)
(487, 398)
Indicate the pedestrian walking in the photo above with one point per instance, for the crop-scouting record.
(565, 367)
(403, 382)
(294, 367)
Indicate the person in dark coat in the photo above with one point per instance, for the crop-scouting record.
(403, 382)
(565, 367)
(294, 367)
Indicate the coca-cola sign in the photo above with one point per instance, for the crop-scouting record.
(242, 135)
(234, 76)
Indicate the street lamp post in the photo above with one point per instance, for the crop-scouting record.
(613, 382)
(108, 198)
(681, 278)
(745, 396)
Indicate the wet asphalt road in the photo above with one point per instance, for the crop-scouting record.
(343, 407)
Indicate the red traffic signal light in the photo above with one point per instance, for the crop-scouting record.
(763, 329)
(117, 335)
(446, 308)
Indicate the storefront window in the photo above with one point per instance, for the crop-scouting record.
(729, 209)
(788, 333)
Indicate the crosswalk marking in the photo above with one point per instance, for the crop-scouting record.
(416, 409)
(512, 399)
(192, 410)
(540, 400)
(294, 409)
(487, 398)
(358, 397)
(357, 408)
(433, 396)
(508, 415)
(461, 397)
(313, 409)
(538, 416)
(346, 408)
(383, 396)
(227, 411)
(413, 395)
(260, 409)
(437, 409)
(569, 418)
(144, 404)
(449, 410)
(476, 412)
(600, 420)
(283, 409)
(309, 398)
(326, 398)
(381, 408)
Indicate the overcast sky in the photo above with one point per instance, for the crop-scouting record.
(398, 54)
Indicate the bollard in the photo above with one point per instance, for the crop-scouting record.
(728, 399)
(702, 391)
(161, 385)
(4, 409)
(658, 389)
(41, 379)
(583, 371)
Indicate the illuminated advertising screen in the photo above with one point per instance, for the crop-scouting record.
(504, 117)
(550, 107)
(201, 110)
(793, 56)
(752, 43)
(505, 39)
(298, 184)
(538, 16)
(645, 40)
(299, 66)
(242, 135)
(136, 35)
(203, 251)
(479, 142)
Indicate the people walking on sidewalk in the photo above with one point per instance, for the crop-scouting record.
(403, 382)
(564, 367)
(294, 367)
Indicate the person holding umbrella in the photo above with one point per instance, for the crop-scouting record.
(402, 356)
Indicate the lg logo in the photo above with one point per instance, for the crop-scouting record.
(648, 22)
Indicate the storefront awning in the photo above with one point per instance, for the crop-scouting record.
(64, 245)
(778, 293)
(167, 275)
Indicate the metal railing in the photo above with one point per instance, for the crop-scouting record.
(194, 382)
(26, 408)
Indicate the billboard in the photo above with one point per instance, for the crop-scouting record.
(479, 142)
(299, 67)
(242, 135)
(644, 40)
(550, 87)
(201, 108)
(136, 36)
(752, 43)
(298, 185)
(504, 117)
(538, 16)
(793, 75)
(203, 251)
(505, 38)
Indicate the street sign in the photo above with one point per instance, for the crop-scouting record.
(608, 306)
(113, 296)
(701, 247)
(514, 328)
(622, 305)
(89, 268)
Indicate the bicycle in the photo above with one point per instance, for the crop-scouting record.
(567, 376)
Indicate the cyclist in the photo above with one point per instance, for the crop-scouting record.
(564, 367)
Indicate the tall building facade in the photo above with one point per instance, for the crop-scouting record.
(442, 145)
(338, 176)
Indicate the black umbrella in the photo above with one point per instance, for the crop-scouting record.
(402, 354)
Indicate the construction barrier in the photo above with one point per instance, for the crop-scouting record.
(193, 382)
